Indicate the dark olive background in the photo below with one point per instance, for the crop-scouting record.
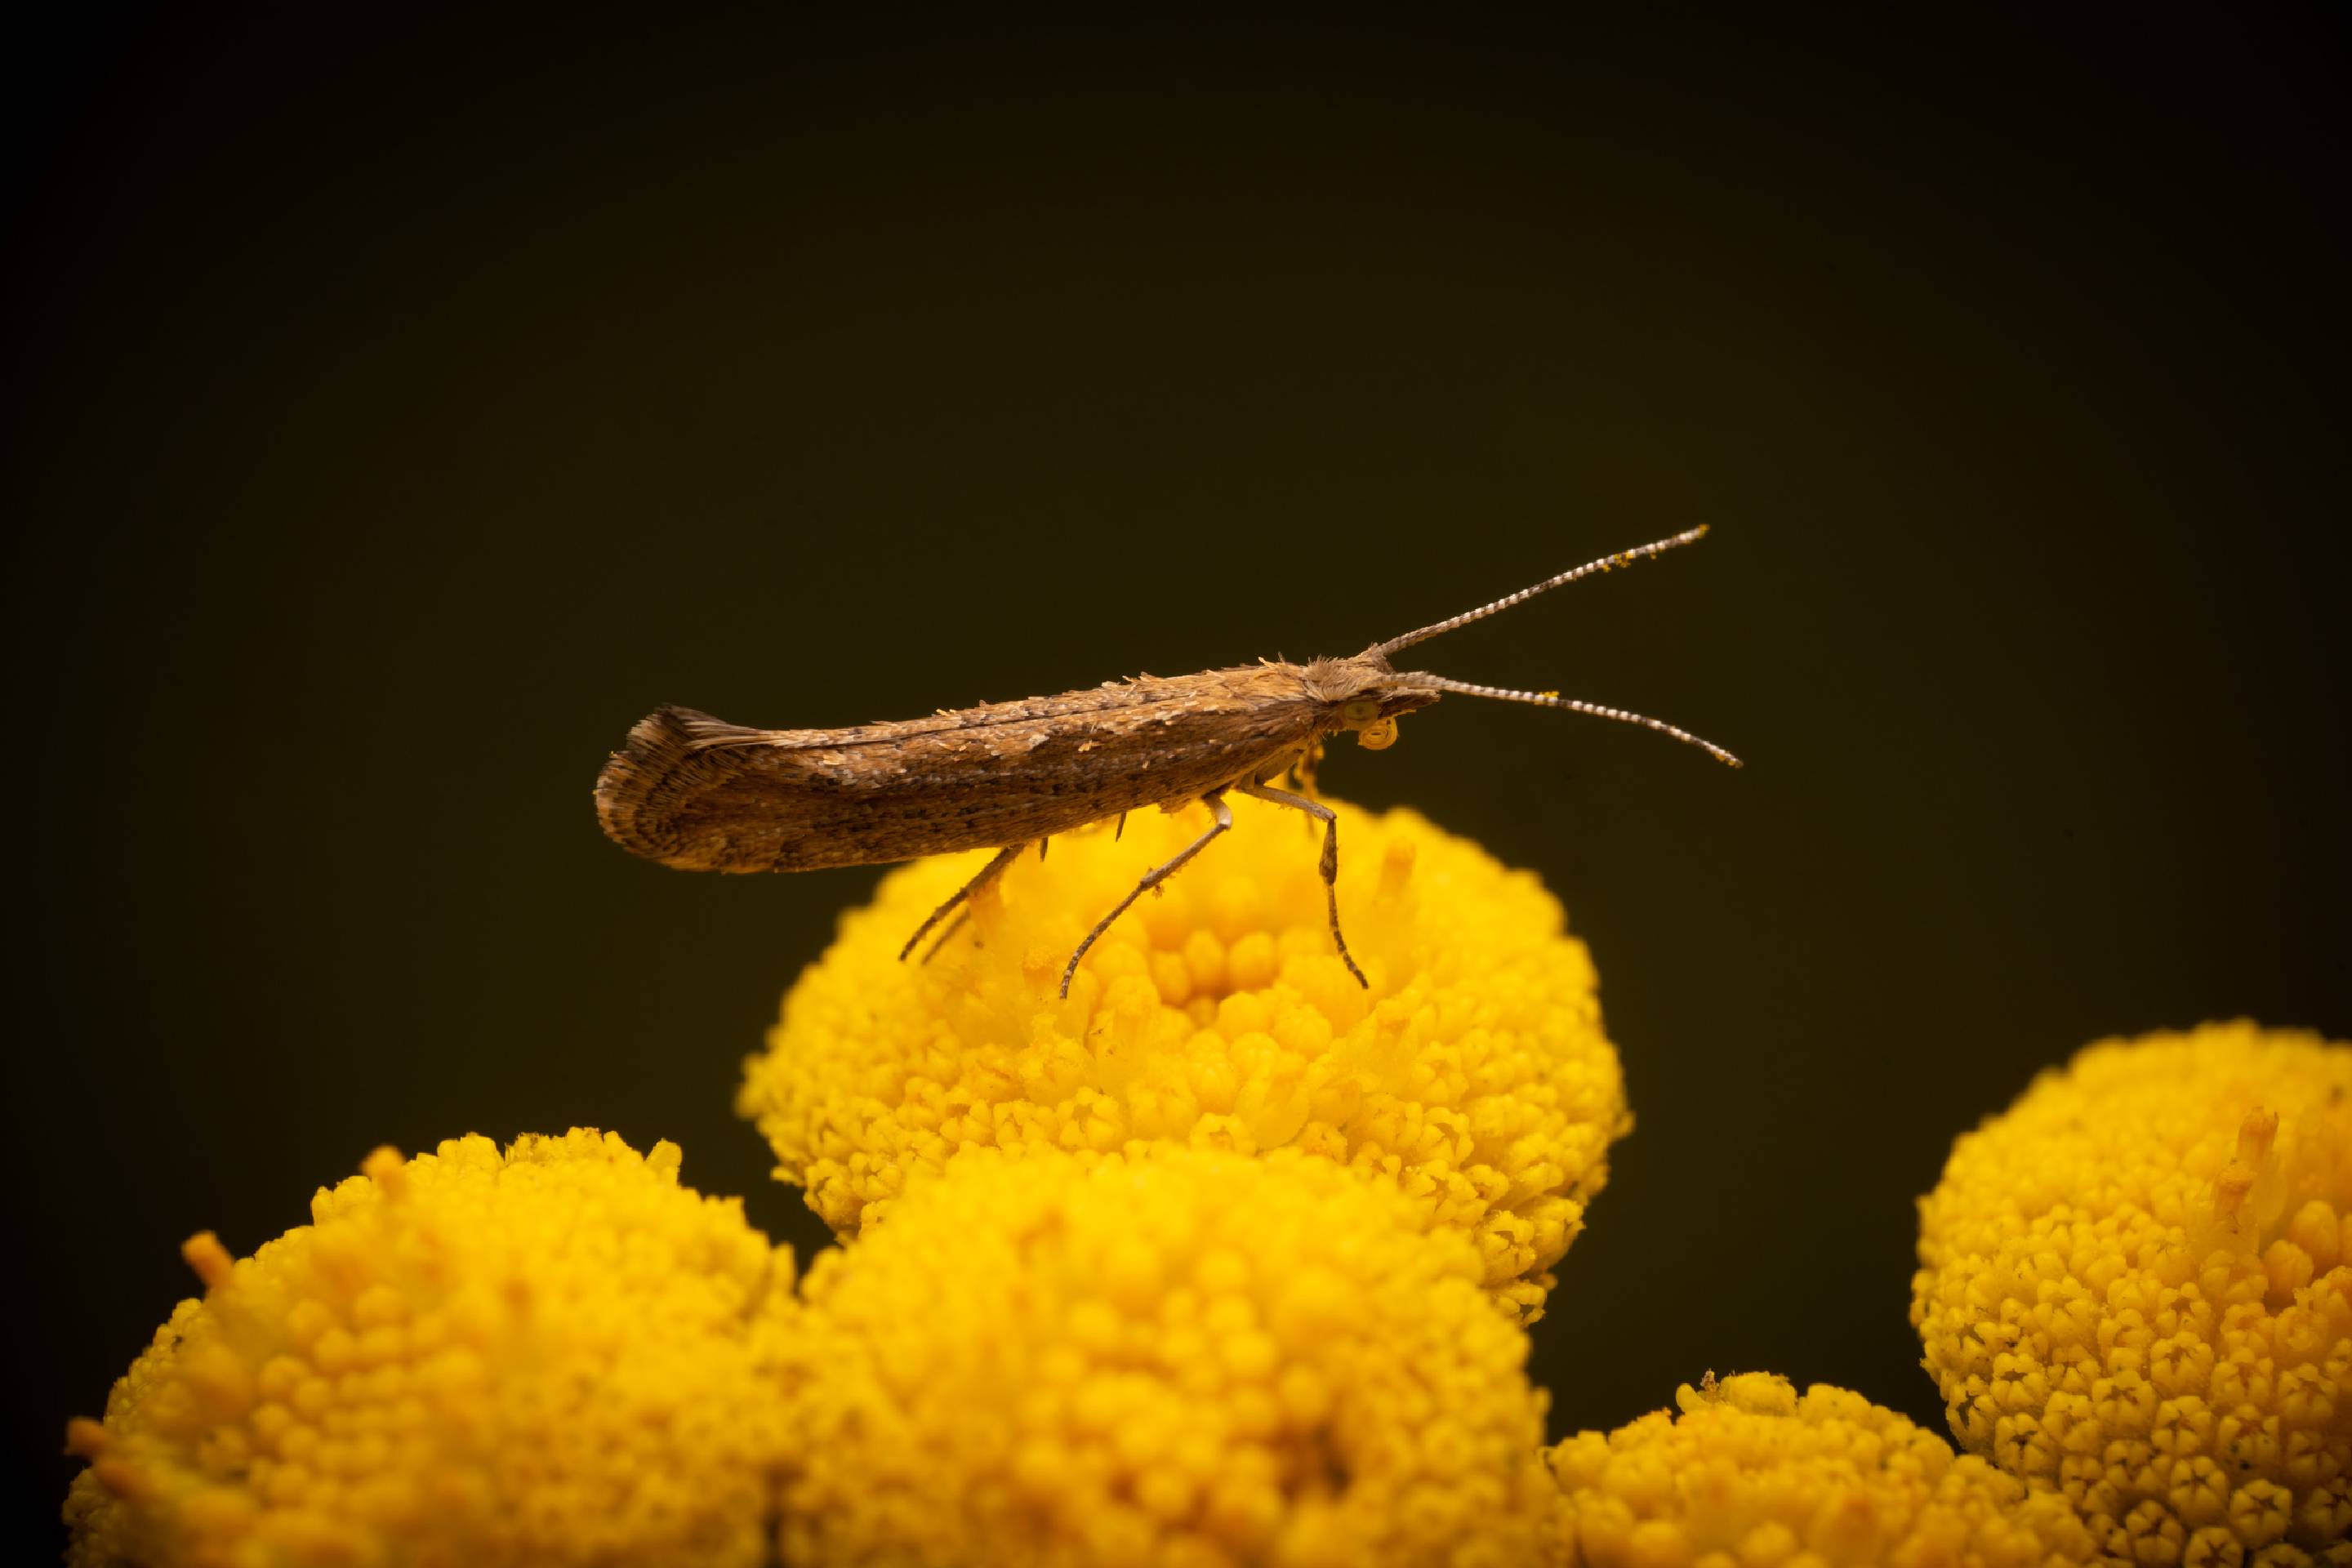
(400, 407)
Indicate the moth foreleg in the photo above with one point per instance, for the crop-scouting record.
(1151, 879)
(987, 874)
(1301, 773)
(1330, 863)
(1304, 770)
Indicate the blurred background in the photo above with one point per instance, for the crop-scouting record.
(399, 406)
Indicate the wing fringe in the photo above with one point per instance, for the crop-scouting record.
(632, 792)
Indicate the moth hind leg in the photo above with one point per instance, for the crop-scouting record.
(1151, 879)
(1329, 866)
(947, 934)
(987, 874)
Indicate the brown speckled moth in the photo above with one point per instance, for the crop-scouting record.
(697, 793)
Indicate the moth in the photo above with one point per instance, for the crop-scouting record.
(702, 795)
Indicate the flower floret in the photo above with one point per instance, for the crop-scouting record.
(1473, 1075)
(2135, 1289)
(1752, 1475)
(1180, 1356)
(547, 1354)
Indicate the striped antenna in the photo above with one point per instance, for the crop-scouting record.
(1551, 699)
(1606, 563)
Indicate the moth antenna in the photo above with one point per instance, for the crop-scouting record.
(1546, 699)
(1606, 563)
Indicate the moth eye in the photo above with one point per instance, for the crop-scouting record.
(1363, 711)
(1378, 736)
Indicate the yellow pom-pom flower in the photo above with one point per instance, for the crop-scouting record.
(548, 1356)
(1181, 1358)
(1473, 1074)
(2135, 1287)
(1753, 1476)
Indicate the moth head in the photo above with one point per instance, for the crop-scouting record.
(1363, 694)
(1373, 714)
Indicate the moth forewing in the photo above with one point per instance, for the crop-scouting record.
(700, 793)
(694, 791)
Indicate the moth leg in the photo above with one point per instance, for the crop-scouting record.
(1304, 770)
(947, 934)
(1302, 781)
(1330, 865)
(1151, 879)
(987, 873)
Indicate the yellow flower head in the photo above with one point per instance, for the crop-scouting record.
(544, 1356)
(1180, 1358)
(2135, 1288)
(1473, 1074)
(1752, 1476)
